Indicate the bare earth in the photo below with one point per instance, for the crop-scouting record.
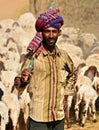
(89, 125)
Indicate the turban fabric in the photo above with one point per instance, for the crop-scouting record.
(50, 18)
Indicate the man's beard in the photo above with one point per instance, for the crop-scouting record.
(50, 42)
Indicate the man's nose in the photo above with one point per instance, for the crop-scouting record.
(51, 34)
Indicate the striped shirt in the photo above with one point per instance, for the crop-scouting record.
(52, 77)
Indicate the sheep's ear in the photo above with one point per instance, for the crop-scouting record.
(97, 74)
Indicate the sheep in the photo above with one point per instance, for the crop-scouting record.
(4, 116)
(93, 59)
(7, 78)
(16, 102)
(85, 41)
(24, 100)
(91, 72)
(87, 96)
(13, 106)
(85, 93)
(3, 109)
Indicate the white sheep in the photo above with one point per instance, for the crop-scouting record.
(24, 100)
(12, 103)
(7, 78)
(86, 96)
(4, 115)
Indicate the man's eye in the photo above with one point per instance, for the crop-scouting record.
(54, 31)
(46, 31)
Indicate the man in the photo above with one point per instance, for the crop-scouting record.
(49, 73)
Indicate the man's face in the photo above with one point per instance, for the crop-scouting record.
(50, 36)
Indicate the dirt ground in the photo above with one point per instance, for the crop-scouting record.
(89, 125)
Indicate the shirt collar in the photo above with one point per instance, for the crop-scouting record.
(45, 52)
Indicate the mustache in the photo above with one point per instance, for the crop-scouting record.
(51, 39)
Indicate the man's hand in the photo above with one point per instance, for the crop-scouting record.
(26, 74)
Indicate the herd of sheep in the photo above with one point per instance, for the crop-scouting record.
(83, 48)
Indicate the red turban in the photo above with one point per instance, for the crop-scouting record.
(50, 18)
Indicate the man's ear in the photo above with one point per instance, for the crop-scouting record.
(59, 33)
